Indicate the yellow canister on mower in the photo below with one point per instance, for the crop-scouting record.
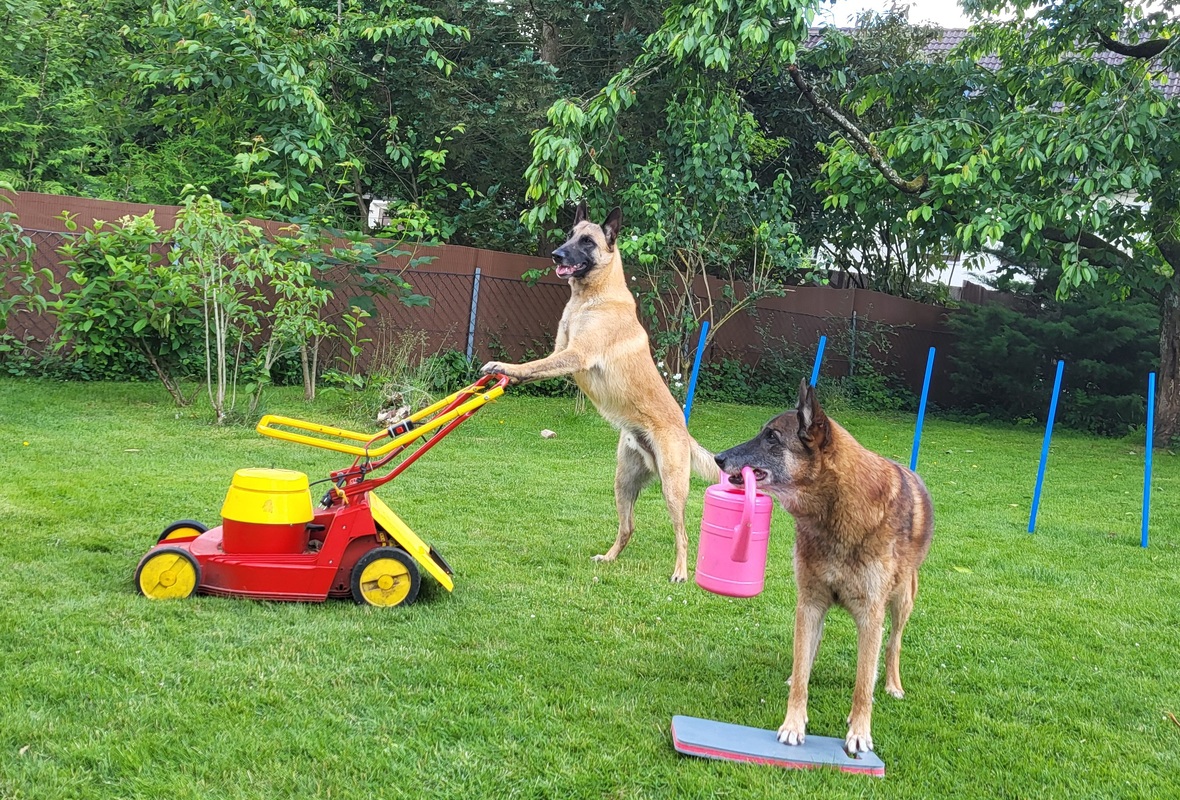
(266, 511)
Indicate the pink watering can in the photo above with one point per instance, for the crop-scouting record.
(735, 529)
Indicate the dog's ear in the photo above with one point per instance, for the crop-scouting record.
(610, 228)
(813, 422)
(580, 212)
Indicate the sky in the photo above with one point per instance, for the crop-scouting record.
(945, 13)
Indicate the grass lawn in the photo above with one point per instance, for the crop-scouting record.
(1036, 666)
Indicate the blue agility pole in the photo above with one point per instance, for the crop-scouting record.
(1032, 518)
(1147, 462)
(819, 359)
(696, 367)
(922, 410)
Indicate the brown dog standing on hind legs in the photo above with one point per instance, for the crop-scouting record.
(863, 526)
(601, 343)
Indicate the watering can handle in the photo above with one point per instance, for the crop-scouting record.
(741, 534)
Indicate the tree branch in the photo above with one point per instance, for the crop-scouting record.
(1087, 241)
(915, 186)
(1148, 49)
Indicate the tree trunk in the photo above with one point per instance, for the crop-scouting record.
(165, 377)
(550, 43)
(308, 373)
(1167, 413)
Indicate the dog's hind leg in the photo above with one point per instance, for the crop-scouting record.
(675, 465)
(633, 471)
(900, 606)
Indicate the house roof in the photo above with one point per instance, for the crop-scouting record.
(951, 38)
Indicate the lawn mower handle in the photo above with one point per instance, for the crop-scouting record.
(465, 401)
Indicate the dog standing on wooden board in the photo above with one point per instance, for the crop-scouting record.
(601, 343)
(863, 526)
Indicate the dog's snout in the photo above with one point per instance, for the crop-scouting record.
(558, 255)
(722, 459)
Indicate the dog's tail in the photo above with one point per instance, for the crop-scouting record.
(703, 464)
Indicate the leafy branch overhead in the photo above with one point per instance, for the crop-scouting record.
(290, 74)
(702, 49)
(914, 186)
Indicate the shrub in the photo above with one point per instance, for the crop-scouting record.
(20, 281)
(1004, 362)
(130, 314)
(773, 380)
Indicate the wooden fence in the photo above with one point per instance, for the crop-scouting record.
(481, 307)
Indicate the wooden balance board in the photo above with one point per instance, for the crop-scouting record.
(721, 740)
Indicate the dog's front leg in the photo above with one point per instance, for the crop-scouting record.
(868, 651)
(808, 619)
(565, 362)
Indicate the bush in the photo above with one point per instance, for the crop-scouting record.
(1004, 362)
(33, 358)
(129, 314)
(773, 380)
(869, 390)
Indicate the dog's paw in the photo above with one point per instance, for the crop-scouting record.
(499, 368)
(895, 691)
(793, 730)
(858, 741)
(679, 577)
(605, 558)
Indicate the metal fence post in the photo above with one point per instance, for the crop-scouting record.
(852, 348)
(471, 323)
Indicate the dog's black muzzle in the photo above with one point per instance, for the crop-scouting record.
(569, 262)
(732, 460)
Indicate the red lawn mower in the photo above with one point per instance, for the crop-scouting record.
(273, 545)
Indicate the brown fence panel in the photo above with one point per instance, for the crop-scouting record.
(515, 320)
(26, 325)
(912, 329)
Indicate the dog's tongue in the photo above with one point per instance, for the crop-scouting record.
(564, 270)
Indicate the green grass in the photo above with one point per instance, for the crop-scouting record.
(1035, 666)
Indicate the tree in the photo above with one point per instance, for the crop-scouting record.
(1059, 154)
(290, 82)
(872, 251)
(303, 110)
(674, 127)
(66, 107)
(1004, 360)
(521, 57)
(221, 258)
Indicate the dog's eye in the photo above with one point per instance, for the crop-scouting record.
(773, 436)
(585, 240)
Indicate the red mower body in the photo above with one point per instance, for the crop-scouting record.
(260, 561)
